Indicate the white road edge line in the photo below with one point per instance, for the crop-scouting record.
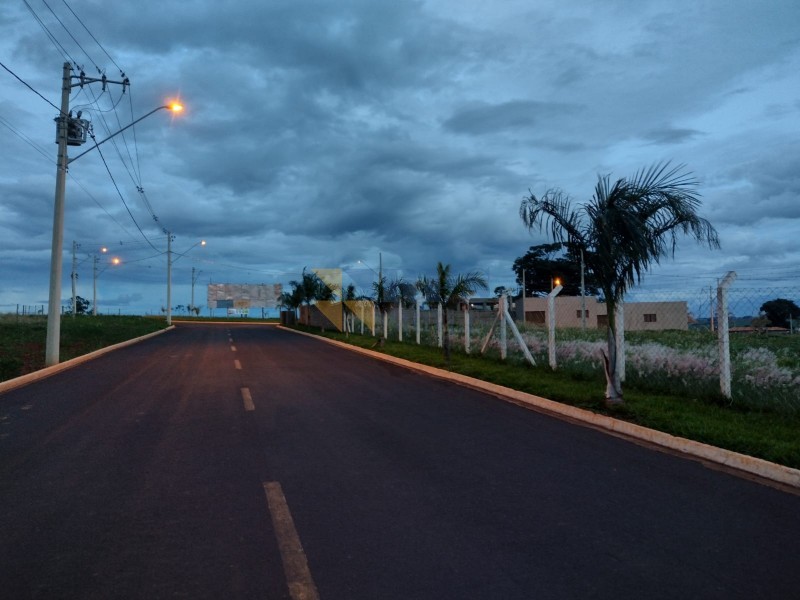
(248, 399)
(295, 566)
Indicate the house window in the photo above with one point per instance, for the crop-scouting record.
(578, 313)
(650, 318)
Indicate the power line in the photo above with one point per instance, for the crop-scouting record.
(26, 84)
(63, 51)
(94, 38)
(72, 36)
(26, 139)
(123, 199)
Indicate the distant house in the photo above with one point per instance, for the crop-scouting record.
(638, 316)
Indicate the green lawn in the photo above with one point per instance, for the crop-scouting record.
(22, 338)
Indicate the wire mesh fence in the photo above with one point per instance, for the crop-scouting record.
(710, 343)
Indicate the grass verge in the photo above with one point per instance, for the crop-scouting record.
(22, 339)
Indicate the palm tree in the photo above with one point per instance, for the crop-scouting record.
(448, 290)
(311, 288)
(625, 228)
(387, 293)
(291, 300)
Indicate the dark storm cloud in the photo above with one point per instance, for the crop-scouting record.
(318, 132)
(671, 135)
(483, 118)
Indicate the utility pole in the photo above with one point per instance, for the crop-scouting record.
(195, 277)
(75, 246)
(169, 278)
(53, 341)
(95, 260)
(69, 131)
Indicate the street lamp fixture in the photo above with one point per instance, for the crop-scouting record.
(96, 273)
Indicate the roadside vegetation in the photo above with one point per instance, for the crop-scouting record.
(22, 338)
(701, 414)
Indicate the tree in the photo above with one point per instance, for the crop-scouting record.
(291, 300)
(625, 228)
(448, 290)
(82, 305)
(545, 263)
(311, 288)
(779, 311)
(388, 292)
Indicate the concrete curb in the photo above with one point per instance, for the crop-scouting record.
(698, 450)
(67, 364)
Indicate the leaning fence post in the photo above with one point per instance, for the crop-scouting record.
(723, 334)
(551, 325)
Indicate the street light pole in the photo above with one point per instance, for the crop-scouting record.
(169, 279)
(194, 280)
(95, 260)
(53, 341)
(74, 277)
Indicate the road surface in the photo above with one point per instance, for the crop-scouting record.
(243, 461)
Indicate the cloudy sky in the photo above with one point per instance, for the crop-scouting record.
(319, 134)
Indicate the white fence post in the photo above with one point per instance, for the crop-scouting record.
(439, 323)
(503, 335)
(400, 322)
(466, 328)
(418, 323)
(723, 334)
(385, 319)
(551, 325)
(373, 319)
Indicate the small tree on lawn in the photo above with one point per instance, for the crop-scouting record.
(625, 228)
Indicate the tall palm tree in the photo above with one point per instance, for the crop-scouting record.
(448, 290)
(624, 229)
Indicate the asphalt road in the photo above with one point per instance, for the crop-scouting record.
(244, 462)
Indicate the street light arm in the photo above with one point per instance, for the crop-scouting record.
(96, 144)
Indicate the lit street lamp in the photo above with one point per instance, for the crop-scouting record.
(96, 259)
(70, 132)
